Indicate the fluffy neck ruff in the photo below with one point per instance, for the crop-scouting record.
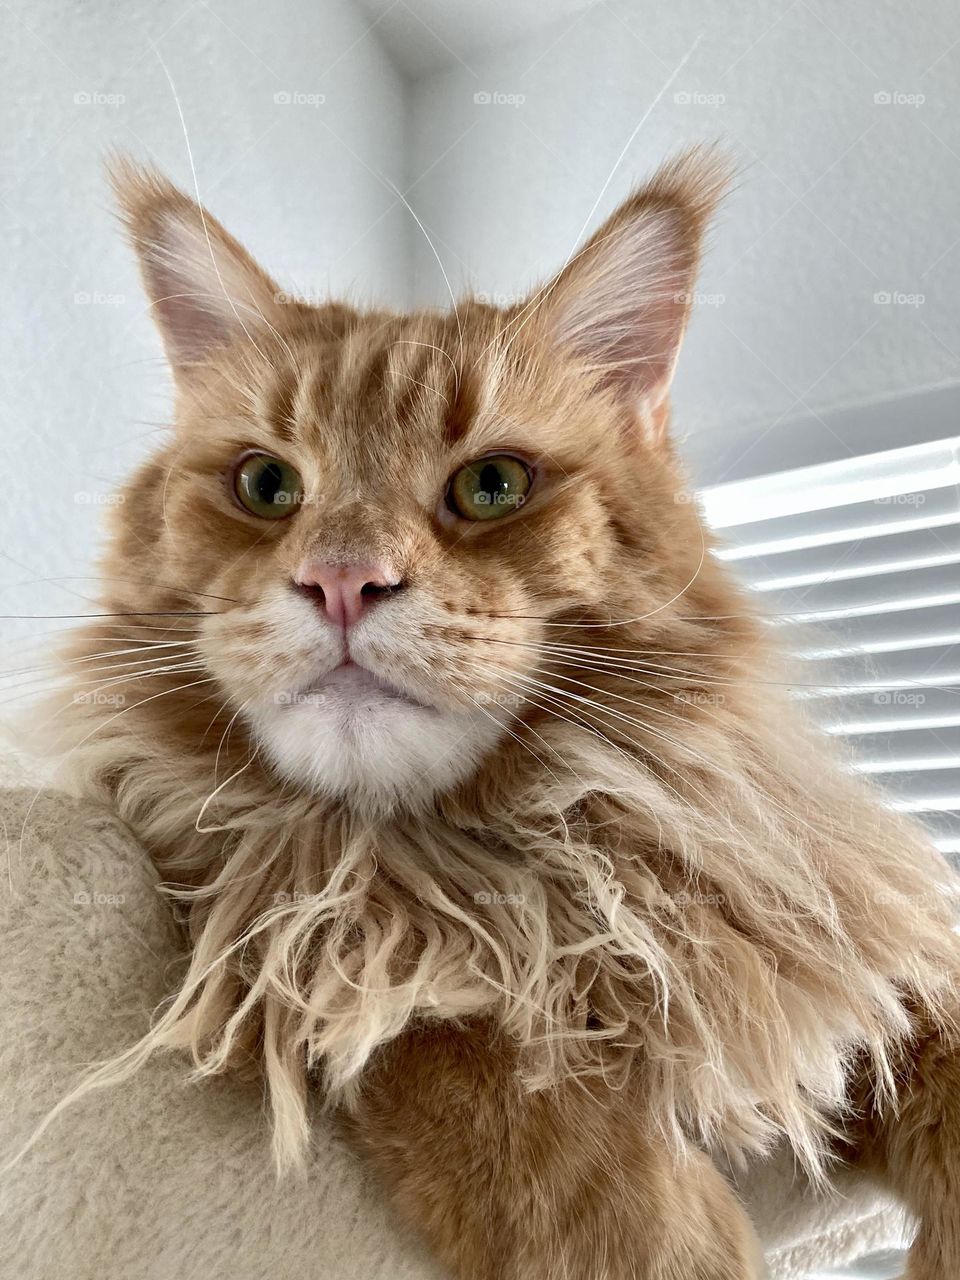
(735, 924)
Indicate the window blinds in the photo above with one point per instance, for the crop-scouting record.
(858, 563)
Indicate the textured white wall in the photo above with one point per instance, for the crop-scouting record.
(83, 383)
(840, 196)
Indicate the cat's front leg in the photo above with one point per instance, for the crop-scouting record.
(558, 1185)
(914, 1147)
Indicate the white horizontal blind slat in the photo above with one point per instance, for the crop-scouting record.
(836, 562)
(855, 522)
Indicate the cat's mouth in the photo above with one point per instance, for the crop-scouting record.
(355, 685)
(351, 733)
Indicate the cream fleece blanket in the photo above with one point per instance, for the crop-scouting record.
(162, 1179)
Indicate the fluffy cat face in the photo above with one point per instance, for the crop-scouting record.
(388, 517)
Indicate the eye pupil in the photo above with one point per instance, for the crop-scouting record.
(268, 482)
(492, 480)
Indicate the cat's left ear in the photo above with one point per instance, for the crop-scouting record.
(206, 290)
(620, 305)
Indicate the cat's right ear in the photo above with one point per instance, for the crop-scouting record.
(205, 289)
(620, 305)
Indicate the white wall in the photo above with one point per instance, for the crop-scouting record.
(839, 197)
(83, 384)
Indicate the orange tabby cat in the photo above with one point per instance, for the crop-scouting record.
(469, 765)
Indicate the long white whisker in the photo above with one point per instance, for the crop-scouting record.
(433, 249)
(62, 664)
(516, 737)
(541, 295)
(196, 188)
(217, 789)
(36, 684)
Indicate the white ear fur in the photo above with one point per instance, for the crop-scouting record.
(620, 306)
(206, 290)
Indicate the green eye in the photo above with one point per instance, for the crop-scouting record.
(267, 486)
(489, 488)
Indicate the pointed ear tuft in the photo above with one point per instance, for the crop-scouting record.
(620, 305)
(206, 290)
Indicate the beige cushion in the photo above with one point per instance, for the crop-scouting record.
(157, 1179)
(163, 1179)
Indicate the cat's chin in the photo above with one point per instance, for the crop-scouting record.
(355, 738)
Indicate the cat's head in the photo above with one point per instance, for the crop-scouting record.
(386, 518)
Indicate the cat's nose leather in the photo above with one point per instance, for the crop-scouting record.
(345, 591)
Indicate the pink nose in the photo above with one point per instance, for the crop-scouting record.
(343, 591)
